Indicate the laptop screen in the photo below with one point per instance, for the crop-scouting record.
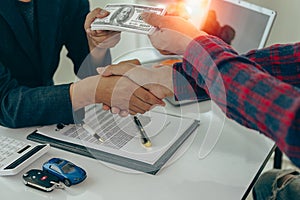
(243, 25)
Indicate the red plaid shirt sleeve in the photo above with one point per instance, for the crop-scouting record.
(258, 90)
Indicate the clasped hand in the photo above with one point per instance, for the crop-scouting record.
(156, 80)
(100, 38)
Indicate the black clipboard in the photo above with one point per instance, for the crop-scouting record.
(113, 158)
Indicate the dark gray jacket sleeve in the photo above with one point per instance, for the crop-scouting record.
(24, 106)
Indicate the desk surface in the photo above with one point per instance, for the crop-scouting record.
(217, 169)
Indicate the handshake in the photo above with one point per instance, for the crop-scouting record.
(127, 87)
(143, 88)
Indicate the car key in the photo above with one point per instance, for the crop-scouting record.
(41, 180)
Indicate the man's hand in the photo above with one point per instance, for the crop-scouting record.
(116, 110)
(114, 91)
(157, 80)
(120, 92)
(174, 33)
(100, 38)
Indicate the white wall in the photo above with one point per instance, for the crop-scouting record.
(286, 29)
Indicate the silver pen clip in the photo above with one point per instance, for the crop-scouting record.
(59, 185)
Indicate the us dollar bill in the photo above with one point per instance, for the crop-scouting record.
(126, 17)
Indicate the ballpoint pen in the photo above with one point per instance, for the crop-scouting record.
(145, 140)
(92, 132)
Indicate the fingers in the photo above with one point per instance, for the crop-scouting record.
(100, 38)
(161, 21)
(96, 13)
(170, 29)
(119, 70)
(156, 80)
(166, 52)
(121, 94)
(139, 75)
(115, 110)
(105, 39)
(148, 97)
(154, 19)
(132, 113)
(133, 61)
(124, 113)
(140, 101)
(105, 107)
(136, 104)
(103, 34)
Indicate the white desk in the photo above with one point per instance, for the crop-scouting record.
(226, 172)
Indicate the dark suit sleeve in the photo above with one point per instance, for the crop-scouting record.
(27, 97)
(24, 106)
(77, 44)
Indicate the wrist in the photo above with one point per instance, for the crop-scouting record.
(165, 79)
(82, 93)
(90, 43)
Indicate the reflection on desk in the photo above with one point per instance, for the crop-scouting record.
(228, 171)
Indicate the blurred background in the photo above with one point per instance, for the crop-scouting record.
(285, 28)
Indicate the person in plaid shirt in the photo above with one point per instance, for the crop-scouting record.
(259, 89)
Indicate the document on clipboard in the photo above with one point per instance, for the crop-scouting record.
(117, 140)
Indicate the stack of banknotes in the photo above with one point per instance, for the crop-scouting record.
(126, 17)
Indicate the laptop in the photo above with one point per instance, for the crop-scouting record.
(251, 23)
(243, 25)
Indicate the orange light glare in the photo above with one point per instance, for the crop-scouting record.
(197, 10)
(178, 8)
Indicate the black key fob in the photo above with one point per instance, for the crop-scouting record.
(41, 180)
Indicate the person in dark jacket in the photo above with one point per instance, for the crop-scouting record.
(32, 35)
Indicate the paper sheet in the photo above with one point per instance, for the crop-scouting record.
(121, 135)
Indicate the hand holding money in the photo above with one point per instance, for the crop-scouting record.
(173, 33)
(100, 38)
(126, 17)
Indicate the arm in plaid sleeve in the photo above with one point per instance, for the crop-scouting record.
(281, 61)
(187, 87)
(246, 92)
